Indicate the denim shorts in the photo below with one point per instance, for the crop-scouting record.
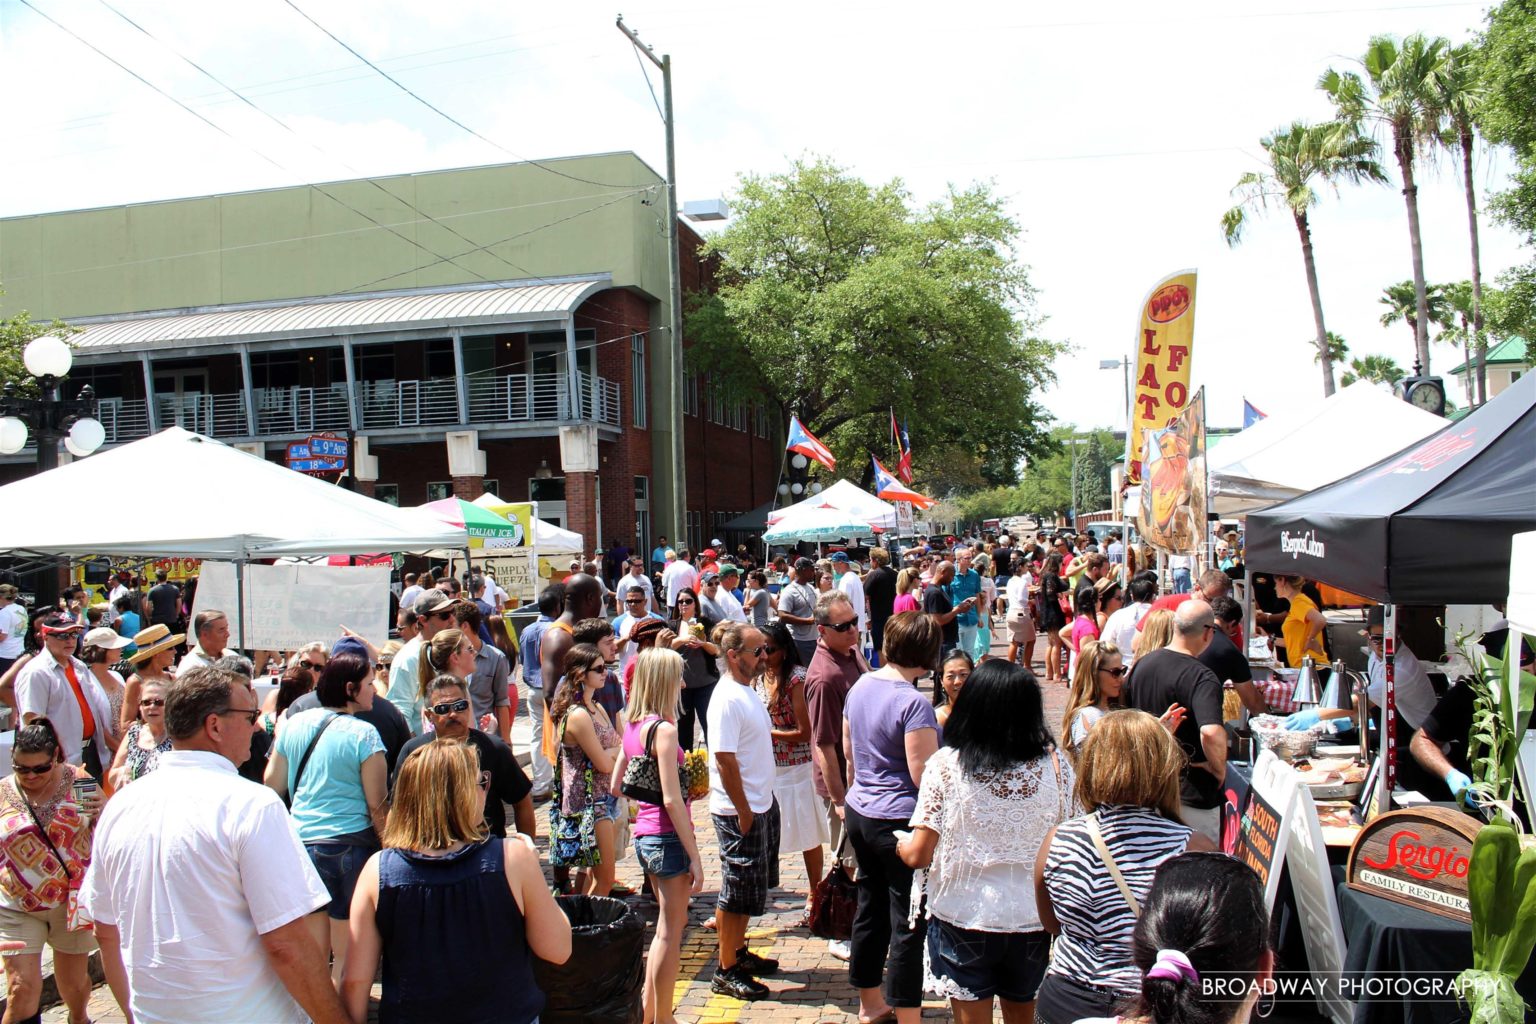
(661, 856)
(606, 807)
(968, 964)
(339, 864)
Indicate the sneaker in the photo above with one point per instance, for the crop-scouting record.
(839, 948)
(755, 965)
(737, 984)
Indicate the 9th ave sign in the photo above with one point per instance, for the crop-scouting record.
(322, 453)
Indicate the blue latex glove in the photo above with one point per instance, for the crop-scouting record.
(1461, 787)
(1302, 720)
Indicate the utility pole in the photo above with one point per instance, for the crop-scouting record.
(679, 480)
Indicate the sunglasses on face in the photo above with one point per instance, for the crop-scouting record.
(768, 649)
(152, 702)
(684, 600)
(250, 715)
(485, 780)
(841, 627)
(1373, 638)
(380, 666)
(634, 600)
(450, 707)
(37, 769)
(757, 652)
(603, 668)
(310, 665)
(1118, 673)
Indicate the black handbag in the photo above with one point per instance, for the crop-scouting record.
(642, 775)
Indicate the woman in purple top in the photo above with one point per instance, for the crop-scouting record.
(664, 841)
(889, 732)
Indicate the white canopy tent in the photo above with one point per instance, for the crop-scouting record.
(548, 539)
(219, 503)
(817, 525)
(1304, 447)
(846, 497)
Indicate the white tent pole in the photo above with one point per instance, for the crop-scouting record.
(240, 600)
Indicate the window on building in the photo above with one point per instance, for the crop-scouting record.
(637, 377)
(690, 394)
(491, 486)
(437, 357)
(548, 489)
(373, 362)
(643, 512)
(274, 369)
(695, 531)
(387, 493)
(438, 490)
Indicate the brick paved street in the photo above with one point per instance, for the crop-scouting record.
(812, 986)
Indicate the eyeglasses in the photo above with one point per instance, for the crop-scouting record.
(152, 702)
(768, 649)
(634, 600)
(485, 780)
(310, 665)
(1373, 638)
(1116, 672)
(757, 652)
(380, 666)
(841, 627)
(441, 615)
(684, 600)
(450, 707)
(37, 769)
(603, 668)
(250, 714)
(1209, 627)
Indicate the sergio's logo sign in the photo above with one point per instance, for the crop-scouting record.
(1302, 544)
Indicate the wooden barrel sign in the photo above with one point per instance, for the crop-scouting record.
(1417, 857)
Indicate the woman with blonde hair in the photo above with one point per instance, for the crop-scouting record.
(906, 583)
(441, 874)
(1128, 785)
(449, 652)
(1155, 632)
(1096, 686)
(664, 839)
(381, 667)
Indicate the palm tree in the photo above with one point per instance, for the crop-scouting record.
(1405, 302)
(1336, 352)
(1464, 305)
(1461, 95)
(1376, 369)
(1403, 95)
(1299, 155)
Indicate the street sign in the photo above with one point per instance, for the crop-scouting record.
(322, 453)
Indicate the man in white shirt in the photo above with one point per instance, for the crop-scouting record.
(745, 815)
(1120, 627)
(678, 574)
(848, 581)
(635, 577)
(730, 579)
(635, 603)
(58, 686)
(211, 630)
(199, 886)
(13, 626)
(493, 592)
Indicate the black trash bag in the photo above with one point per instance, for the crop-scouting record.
(602, 981)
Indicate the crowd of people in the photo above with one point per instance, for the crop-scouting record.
(246, 847)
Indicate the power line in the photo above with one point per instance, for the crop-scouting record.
(438, 110)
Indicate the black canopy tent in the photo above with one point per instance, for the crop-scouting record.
(1432, 524)
(1429, 525)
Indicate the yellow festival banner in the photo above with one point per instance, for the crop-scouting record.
(1173, 493)
(1164, 342)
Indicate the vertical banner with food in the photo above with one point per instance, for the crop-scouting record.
(1164, 340)
(1173, 491)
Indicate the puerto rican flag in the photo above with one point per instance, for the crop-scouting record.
(807, 444)
(891, 489)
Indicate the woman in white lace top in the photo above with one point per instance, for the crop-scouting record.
(987, 800)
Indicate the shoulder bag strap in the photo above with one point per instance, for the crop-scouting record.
(1061, 792)
(1109, 862)
(650, 739)
(298, 776)
(42, 831)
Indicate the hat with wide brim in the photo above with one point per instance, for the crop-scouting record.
(103, 636)
(152, 641)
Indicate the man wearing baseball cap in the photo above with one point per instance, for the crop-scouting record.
(797, 607)
(434, 613)
(58, 686)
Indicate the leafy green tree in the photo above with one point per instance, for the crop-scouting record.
(1461, 98)
(1401, 92)
(1299, 156)
(1045, 488)
(1465, 303)
(1406, 304)
(15, 331)
(1336, 352)
(1512, 307)
(1506, 56)
(1093, 465)
(839, 300)
(1376, 369)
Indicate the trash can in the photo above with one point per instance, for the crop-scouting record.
(601, 982)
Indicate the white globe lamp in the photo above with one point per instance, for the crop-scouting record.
(799, 461)
(47, 356)
(85, 436)
(13, 435)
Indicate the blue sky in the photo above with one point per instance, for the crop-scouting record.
(1114, 130)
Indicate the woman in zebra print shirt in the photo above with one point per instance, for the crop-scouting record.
(1128, 785)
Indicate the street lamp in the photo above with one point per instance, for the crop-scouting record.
(1112, 364)
(53, 418)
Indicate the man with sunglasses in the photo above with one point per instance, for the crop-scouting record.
(636, 608)
(450, 712)
(434, 613)
(635, 577)
(57, 685)
(797, 608)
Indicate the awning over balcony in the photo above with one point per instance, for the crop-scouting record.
(462, 306)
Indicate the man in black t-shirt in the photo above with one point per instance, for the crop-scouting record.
(1440, 745)
(880, 591)
(1173, 675)
(449, 711)
(164, 602)
(938, 603)
(1222, 656)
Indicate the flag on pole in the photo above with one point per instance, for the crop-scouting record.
(807, 444)
(891, 489)
(1251, 414)
(904, 465)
